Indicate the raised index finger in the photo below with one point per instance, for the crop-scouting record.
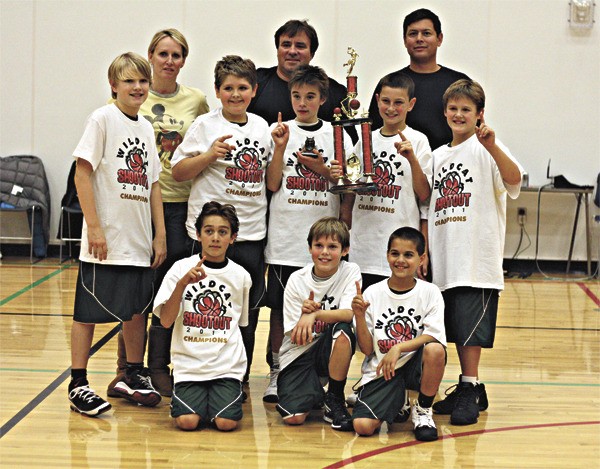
(358, 290)
(224, 137)
(201, 261)
(279, 119)
(311, 296)
(402, 136)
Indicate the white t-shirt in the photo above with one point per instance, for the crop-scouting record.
(395, 318)
(336, 292)
(467, 216)
(302, 199)
(207, 342)
(394, 204)
(125, 164)
(237, 179)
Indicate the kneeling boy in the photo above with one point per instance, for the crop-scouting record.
(319, 341)
(400, 329)
(207, 299)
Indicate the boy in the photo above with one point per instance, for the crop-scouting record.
(207, 299)
(400, 329)
(117, 182)
(300, 186)
(319, 341)
(402, 167)
(467, 221)
(225, 153)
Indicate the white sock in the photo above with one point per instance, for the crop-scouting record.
(469, 379)
(275, 360)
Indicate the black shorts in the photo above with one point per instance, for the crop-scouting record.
(382, 400)
(470, 316)
(209, 399)
(110, 293)
(277, 278)
(250, 255)
(300, 384)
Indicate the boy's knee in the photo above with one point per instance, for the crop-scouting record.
(188, 422)
(225, 425)
(297, 419)
(434, 354)
(365, 427)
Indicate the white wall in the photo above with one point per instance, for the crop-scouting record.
(541, 78)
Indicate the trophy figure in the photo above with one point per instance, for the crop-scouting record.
(353, 179)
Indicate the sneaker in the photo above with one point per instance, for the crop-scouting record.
(424, 426)
(336, 413)
(446, 406)
(138, 388)
(405, 411)
(270, 394)
(84, 400)
(466, 410)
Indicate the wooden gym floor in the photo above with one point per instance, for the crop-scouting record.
(542, 379)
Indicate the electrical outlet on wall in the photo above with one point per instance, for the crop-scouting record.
(521, 215)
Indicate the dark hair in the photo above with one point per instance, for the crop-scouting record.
(409, 234)
(226, 211)
(293, 27)
(330, 226)
(465, 88)
(398, 80)
(235, 65)
(310, 75)
(422, 14)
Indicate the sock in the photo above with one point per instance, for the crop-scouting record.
(275, 360)
(78, 378)
(133, 368)
(425, 401)
(469, 379)
(336, 387)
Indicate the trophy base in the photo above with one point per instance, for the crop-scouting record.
(353, 187)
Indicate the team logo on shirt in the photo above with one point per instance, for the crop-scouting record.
(134, 153)
(248, 162)
(399, 326)
(451, 195)
(306, 179)
(209, 307)
(385, 172)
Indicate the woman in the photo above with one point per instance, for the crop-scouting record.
(171, 108)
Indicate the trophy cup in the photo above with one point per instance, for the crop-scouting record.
(356, 181)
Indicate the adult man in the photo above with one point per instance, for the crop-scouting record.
(423, 36)
(296, 42)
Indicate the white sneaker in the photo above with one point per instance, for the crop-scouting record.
(424, 426)
(270, 394)
(351, 399)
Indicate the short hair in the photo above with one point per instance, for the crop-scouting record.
(398, 80)
(227, 211)
(466, 88)
(235, 65)
(293, 27)
(124, 65)
(310, 75)
(408, 233)
(330, 226)
(422, 14)
(173, 34)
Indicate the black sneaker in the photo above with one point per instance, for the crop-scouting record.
(85, 401)
(424, 426)
(336, 413)
(446, 406)
(466, 410)
(137, 387)
(405, 411)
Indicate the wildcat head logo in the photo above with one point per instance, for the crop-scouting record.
(451, 185)
(133, 152)
(383, 173)
(209, 303)
(135, 160)
(304, 172)
(248, 158)
(400, 330)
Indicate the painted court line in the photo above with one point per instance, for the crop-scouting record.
(387, 449)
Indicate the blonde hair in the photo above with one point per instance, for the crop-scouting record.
(465, 88)
(126, 64)
(332, 227)
(173, 34)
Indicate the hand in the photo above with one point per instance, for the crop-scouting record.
(302, 333)
(220, 148)
(424, 267)
(404, 147)
(309, 305)
(485, 134)
(281, 132)
(335, 170)
(194, 275)
(97, 243)
(387, 366)
(359, 305)
(159, 248)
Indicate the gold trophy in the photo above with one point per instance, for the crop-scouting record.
(356, 177)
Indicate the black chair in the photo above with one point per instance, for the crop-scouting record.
(71, 217)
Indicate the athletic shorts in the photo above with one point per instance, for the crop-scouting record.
(470, 315)
(209, 399)
(250, 255)
(277, 278)
(111, 293)
(299, 385)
